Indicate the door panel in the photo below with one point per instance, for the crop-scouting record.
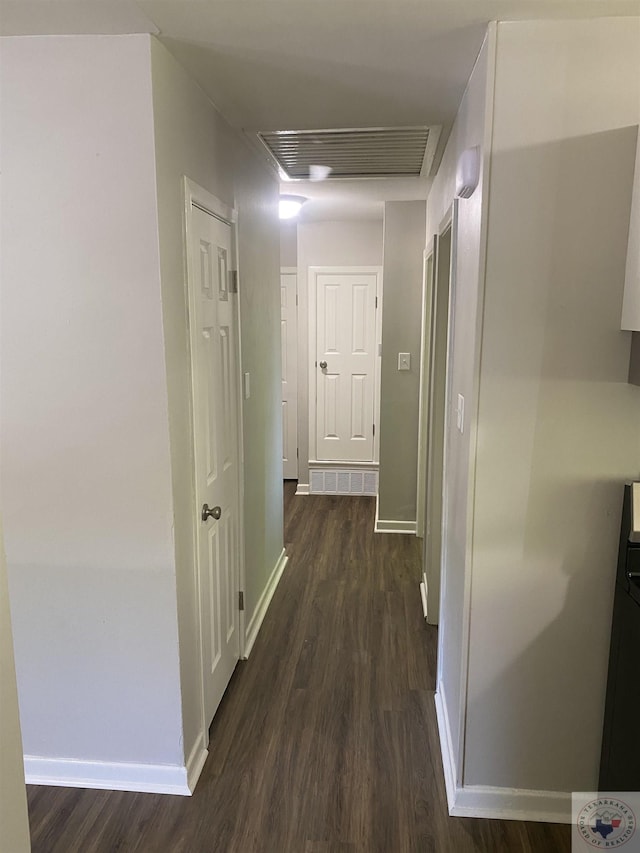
(289, 337)
(346, 342)
(213, 331)
(358, 406)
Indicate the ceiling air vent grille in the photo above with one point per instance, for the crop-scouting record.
(399, 152)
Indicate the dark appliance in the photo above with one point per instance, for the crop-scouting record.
(620, 758)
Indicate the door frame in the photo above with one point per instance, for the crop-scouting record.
(449, 222)
(197, 196)
(428, 290)
(431, 571)
(294, 271)
(314, 272)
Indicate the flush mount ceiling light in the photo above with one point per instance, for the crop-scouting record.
(290, 205)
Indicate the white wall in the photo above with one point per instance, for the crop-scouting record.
(96, 438)
(631, 300)
(348, 243)
(404, 242)
(86, 482)
(471, 128)
(558, 424)
(193, 139)
(288, 243)
(14, 820)
(554, 430)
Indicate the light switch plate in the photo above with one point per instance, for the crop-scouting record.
(404, 361)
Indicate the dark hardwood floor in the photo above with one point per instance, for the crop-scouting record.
(326, 739)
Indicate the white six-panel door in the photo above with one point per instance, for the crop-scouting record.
(344, 363)
(289, 336)
(213, 330)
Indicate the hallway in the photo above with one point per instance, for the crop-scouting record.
(326, 740)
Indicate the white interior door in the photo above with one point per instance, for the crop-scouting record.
(344, 365)
(213, 331)
(289, 335)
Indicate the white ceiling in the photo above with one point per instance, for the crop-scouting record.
(307, 64)
(362, 199)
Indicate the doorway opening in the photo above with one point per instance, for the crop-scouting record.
(439, 278)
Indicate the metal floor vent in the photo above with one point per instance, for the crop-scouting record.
(343, 482)
(376, 152)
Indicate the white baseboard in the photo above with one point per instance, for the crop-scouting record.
(195, 763)
(423, 598)
(107, 775)
(302, 489)
(512, 804)
(485, 801)
(263, 604)
(446, 748)
(390, 526)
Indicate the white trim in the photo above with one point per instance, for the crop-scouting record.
(303, 489)
(430, 149)
(195, 763)
(291, 467)
(366, 466)
(512, 804)
(377, 371)
(209, 203)
(423, 596)
(448, 224)
(263, 604)
(312, 274)
(428, 283)
(485, 801)
(473, 416)
(392, 526)
(240, 402)
(110, 775)
(473, 410)
(446, 747)
(429, 406)
(383, 525)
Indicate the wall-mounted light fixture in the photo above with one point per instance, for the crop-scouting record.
(468, 172)
(290, 205)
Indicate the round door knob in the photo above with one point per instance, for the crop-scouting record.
(215, 513)
(323, 365)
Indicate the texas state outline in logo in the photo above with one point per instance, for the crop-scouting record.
(606, 823)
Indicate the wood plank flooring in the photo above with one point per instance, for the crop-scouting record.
(326, 739)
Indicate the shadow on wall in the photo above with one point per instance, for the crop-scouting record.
(540, 715)
(558, 427)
